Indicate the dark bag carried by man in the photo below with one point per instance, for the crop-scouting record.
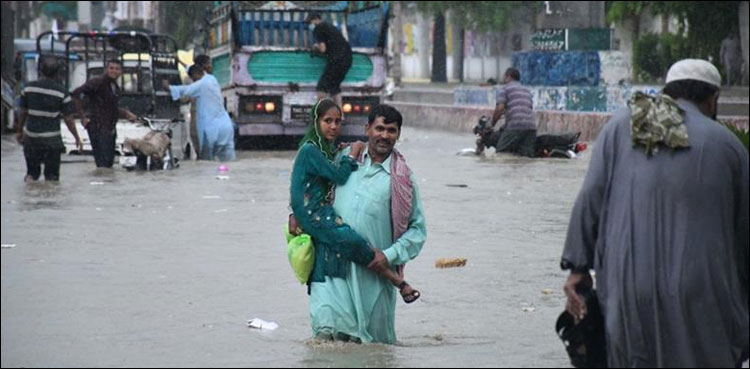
(584, 340)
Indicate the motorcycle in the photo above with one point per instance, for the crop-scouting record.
(152, 152)
(547, 145)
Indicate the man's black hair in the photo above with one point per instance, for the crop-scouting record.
(690, 89)
(203, 60)
(313, 15)
(49, 66)
(513, 73)
(195, 69)
(389, 113)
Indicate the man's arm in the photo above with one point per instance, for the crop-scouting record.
(319, 47)
(742, 219)
(72, 128)
(127, 114)
(79, 109)
(23, 113)
(408, 246)
(67, 110)
(499, 109)
(192, 90)
(580, 243)
(21, 121)
(575, 304)
(87, 88)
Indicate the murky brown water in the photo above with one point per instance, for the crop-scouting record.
(165, 268)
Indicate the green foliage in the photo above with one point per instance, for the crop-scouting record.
(646, 64)
(63, 10)
(183, 19)
(742, 134)
(708, 23)
(619, 11)
(653, 54)
(482, 16)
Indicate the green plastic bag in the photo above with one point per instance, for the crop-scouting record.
(301, 253)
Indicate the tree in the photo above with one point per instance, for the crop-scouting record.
(483, 16)
(439, 62)
(704, 24)
(183, 19)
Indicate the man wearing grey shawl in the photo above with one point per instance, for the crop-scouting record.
(662, 218)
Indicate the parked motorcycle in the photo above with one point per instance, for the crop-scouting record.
(152, 152)
(547, 145)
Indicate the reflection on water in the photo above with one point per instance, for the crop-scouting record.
(42, 195)
(348, 355)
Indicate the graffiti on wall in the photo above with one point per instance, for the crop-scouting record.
(587, 99)
(549, 98)
(572, 98)
(474, 96)
(615, 67)
(568, 68)
(549, 39)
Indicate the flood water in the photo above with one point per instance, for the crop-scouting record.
(116, 268)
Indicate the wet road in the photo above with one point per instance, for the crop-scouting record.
(165, 268)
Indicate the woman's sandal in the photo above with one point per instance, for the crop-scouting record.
(408, 298)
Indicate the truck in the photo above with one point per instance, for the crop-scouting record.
(147, 60)
(262, 59)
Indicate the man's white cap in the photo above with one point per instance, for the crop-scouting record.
(696, 69)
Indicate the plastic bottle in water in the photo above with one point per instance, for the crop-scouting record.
(223, 169)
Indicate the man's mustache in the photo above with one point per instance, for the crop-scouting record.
(389, 142)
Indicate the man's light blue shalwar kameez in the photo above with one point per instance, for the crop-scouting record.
(215, 128)
(364, 304)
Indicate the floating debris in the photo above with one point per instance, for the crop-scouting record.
(261, 324)
(467, 152)
(450, 262)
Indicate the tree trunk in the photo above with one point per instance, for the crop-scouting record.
(460, 61)
(397, 40)
(439, 67)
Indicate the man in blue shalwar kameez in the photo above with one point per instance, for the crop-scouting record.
(215, 128)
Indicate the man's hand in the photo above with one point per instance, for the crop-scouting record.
(576, 305)
(165, 84)
(379, 263)
(85, 121)
(357, 148)
(19, 137)
(131, 117)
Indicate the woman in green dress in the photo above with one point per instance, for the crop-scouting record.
(315, 172)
